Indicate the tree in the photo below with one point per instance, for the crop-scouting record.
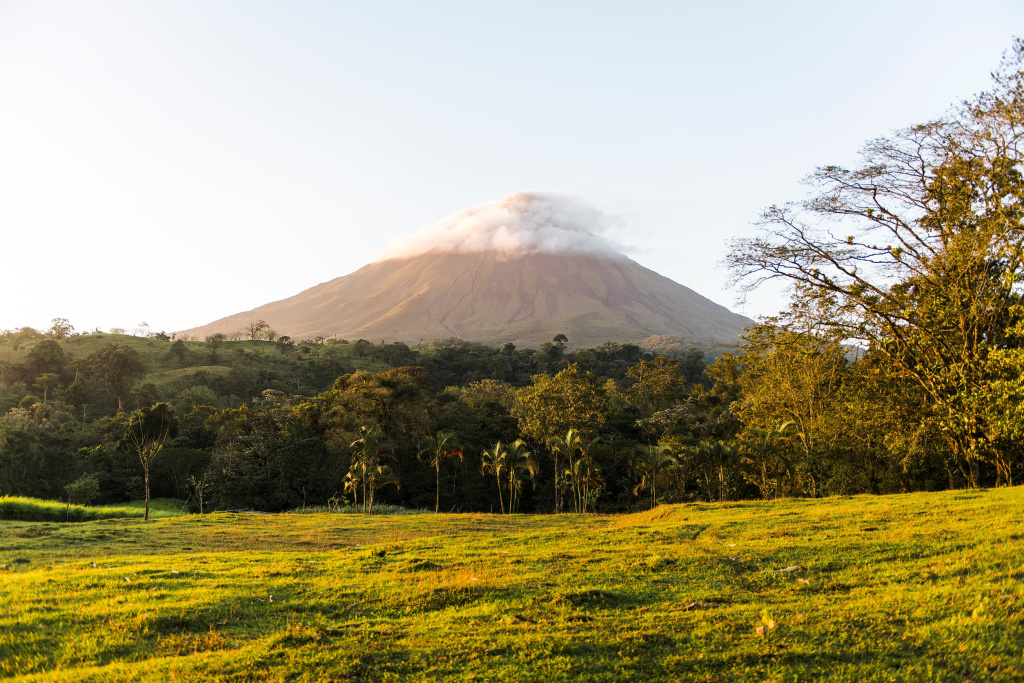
(353, 483)
(60, 328)
(494, 461)
(199, 486)
(918, 254)
(585, 476)
(377, 477)
(656, 384)
(178, 352)
(120, 366)
(46, 357)
(552, 406)
(649, 464)
(256, 329)
(767, 467)
(146, 431)
(519, 464)
(21, 462)
(367, 451)
(437, 448)
(285, 343)
(715, 456)
(47, 381)
(580, 473)
(214, 342)
(793, 377)
(563, 447)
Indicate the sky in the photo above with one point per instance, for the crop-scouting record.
(174, 162)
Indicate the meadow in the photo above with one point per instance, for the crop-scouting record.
(926, 586)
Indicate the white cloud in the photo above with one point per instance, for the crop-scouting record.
(521, 223)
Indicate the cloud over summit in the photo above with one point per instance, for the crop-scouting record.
(521, 223)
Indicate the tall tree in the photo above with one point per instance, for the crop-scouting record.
(256, 329)
(46, 356)
(650, 463)
(146, 431)
(519, 464)
(584, 474)
(120, 366)
(214, 342)
(655, 384)
(494, 461)
(60, 328)
(435, 449)
(377, 477)
(563, 448)
(791, 377)
(367, 452)
(551, 406)
(917, 254)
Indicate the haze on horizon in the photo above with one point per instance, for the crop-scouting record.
(174, 162)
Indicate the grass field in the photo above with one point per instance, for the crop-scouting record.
(915, 587)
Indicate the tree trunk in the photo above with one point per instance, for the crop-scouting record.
(146, 472)
(558, 490)
(437, 495)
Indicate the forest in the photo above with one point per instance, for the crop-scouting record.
(898, 366)
(455, 426)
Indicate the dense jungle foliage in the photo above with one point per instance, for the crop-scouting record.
(276, 425)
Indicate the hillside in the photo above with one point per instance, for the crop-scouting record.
(878, 588)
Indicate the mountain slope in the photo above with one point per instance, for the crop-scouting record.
(495, 298)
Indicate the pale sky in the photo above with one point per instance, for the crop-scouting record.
(175, 162)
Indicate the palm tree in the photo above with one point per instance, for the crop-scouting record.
(763, 450)
(439, 447)
(566, 447)
(586, 477)
(717, 454)
(367, 451)
(493, 462)
(353, 482)
(377, 478)
(518, 461)
(650, 462)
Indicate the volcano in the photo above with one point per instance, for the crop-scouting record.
(521, 270)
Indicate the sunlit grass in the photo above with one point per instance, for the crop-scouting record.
(37, 510)
(915, 587)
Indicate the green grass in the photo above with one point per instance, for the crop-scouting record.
(36, 510)
(913, 587)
